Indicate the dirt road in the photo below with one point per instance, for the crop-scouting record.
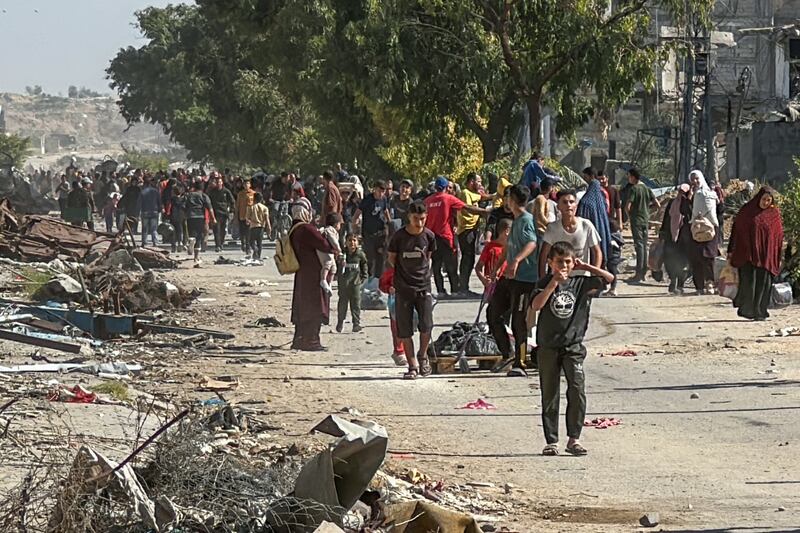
(717, 462)
(724, 461)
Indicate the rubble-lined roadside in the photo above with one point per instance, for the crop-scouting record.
(93, 326)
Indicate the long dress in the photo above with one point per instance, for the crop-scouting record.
(310, 303)
(676, 258)
(755, 249)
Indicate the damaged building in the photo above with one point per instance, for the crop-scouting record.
(744, 81)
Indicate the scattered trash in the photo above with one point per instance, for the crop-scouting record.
(781, 509)
(221, 260)
(76, 394)
(478, 404)
(602, 423)
(105, 368)
(250, 283)
(649, 520)
(220, 384)
(625, 353)
(422, 517)
(264, 294)
(781, 296)
(351, 411)
(784, 332)
(340, 474)
(270, 322)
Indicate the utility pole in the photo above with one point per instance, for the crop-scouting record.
(688, 108)
(711, 153)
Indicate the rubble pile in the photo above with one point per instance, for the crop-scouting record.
(38, 238)
(89, 268)
(215, 469)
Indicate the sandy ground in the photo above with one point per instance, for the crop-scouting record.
(725, 461)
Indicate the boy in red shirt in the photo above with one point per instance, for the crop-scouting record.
(441, 208)
(491, 264)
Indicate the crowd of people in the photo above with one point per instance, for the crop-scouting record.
(543, 251)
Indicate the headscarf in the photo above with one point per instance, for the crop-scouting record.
(593, 208)
(705, 200)
(301, 211)
(757, 236)
(675, 215)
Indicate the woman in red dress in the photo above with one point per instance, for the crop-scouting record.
(310, 304)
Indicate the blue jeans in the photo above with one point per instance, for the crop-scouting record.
(149, 227)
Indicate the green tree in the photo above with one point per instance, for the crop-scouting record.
(14, 150)
(72, 92)
(193, 78)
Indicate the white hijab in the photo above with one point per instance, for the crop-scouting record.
(705, 200)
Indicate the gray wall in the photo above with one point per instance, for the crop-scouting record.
(767, 152)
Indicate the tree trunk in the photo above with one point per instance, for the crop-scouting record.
(490, 147)
(534, 102)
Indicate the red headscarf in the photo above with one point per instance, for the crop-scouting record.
(757, 236)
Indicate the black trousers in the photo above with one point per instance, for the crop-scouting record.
(702, 270)
(445, 256)
(375, 250)
(514, 296)
(256, 241)
(640, 247)
(220, 230)
(244, 234)
(467, 242)
(552, 361)
(754, 293)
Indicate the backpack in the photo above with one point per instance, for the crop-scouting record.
(285, 258)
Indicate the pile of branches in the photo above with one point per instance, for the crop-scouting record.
(187, 482)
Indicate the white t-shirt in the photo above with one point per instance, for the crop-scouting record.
(583, 240)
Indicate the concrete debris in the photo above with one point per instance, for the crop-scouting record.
(649, 520)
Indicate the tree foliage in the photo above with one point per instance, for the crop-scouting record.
(14, 150)
(403, 84)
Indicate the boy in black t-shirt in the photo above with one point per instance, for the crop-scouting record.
(563, 304)
(410, 253)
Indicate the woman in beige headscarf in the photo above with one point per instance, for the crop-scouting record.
(704, 206)
(310, 304)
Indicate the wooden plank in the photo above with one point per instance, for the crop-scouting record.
(447, 365)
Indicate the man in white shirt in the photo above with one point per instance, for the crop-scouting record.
(577, 231)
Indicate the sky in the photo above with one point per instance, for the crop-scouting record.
(58, 43)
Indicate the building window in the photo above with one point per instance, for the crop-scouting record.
(794, 68)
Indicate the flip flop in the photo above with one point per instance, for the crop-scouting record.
(412, 373)
(399, 359)
(576, 450)
(551, 450)
(425, 367)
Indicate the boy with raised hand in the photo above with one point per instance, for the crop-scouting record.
(563, 302)
(410, 252)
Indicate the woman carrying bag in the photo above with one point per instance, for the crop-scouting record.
(755, 249)
(705, 234)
